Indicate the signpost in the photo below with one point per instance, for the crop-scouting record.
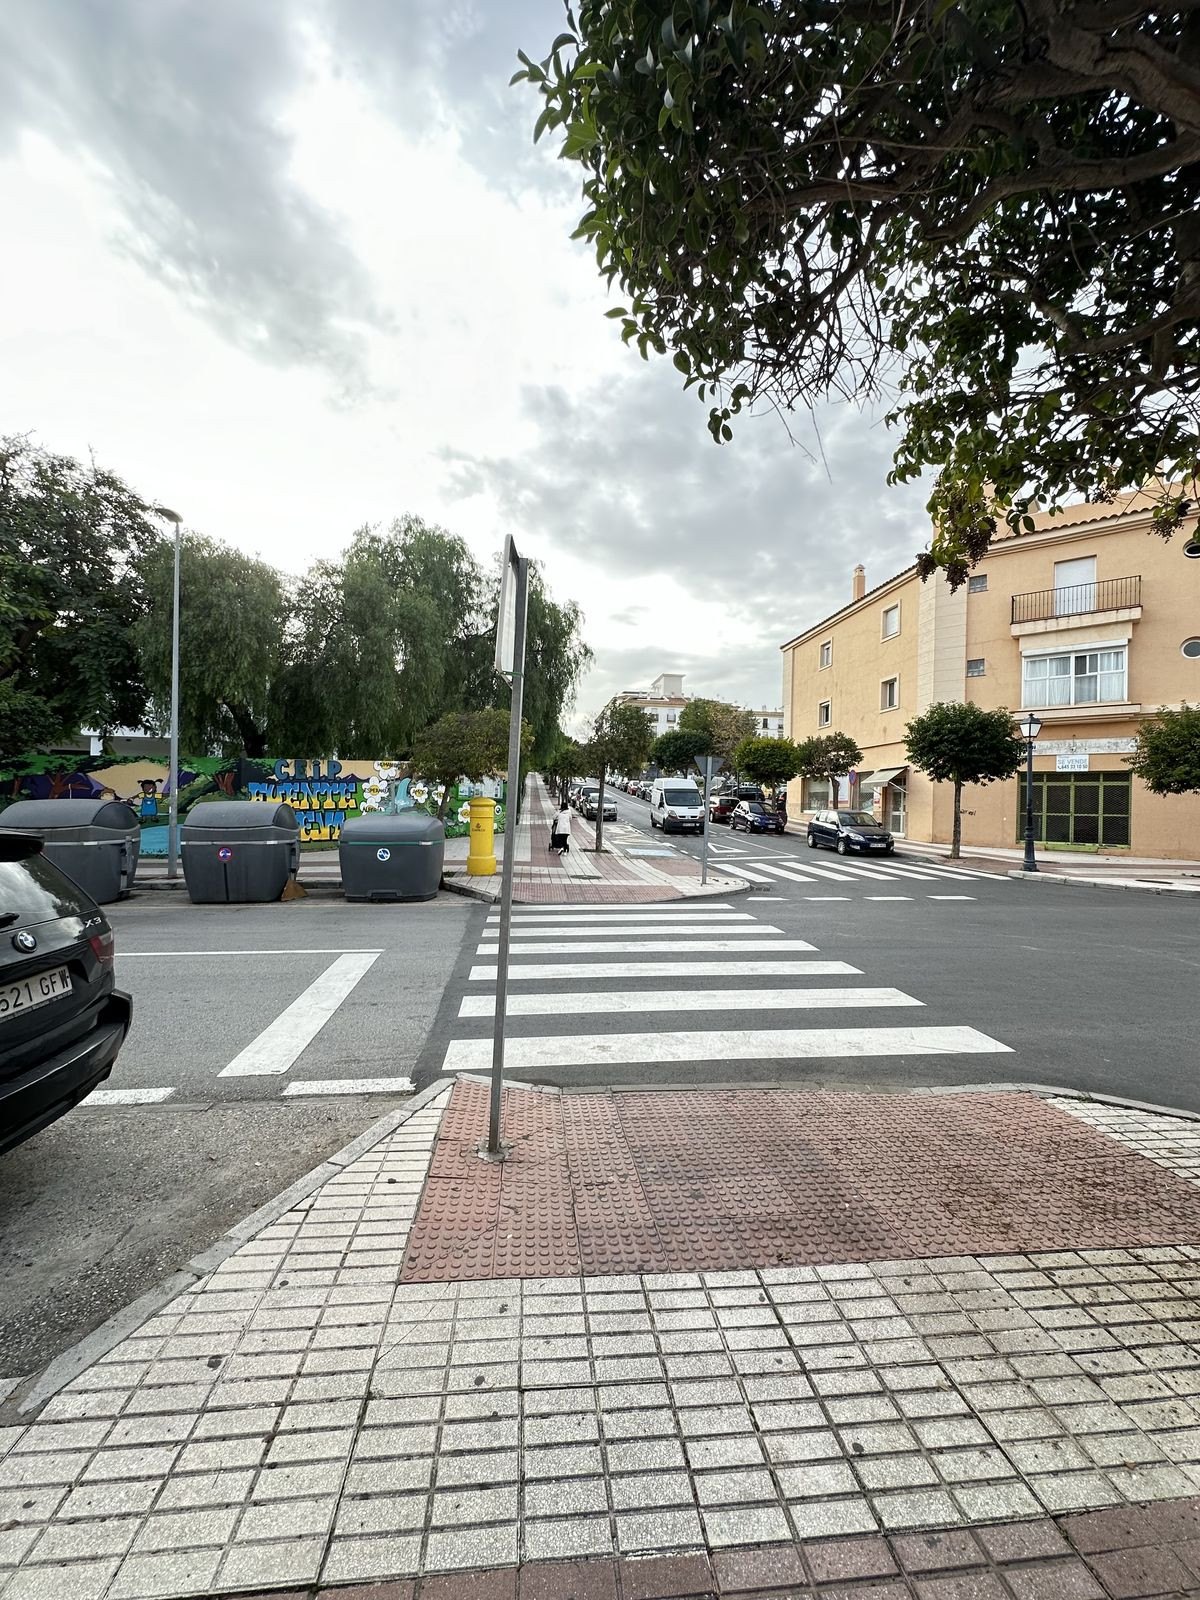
(510, 664)
(708, 767)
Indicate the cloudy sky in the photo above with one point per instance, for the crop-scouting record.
(291, 266)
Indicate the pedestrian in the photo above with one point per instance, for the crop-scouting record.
(560, 831)
(781, 807)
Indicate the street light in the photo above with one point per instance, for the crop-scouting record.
(1030, 726)
(173, 800)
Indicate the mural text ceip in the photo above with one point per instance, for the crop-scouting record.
(323, 793)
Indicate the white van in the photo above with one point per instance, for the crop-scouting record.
(676, 805)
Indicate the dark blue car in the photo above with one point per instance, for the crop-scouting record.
(755, 818)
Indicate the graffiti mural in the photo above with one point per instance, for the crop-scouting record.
(323, 793)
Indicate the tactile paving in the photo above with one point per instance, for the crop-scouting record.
(633, 1181)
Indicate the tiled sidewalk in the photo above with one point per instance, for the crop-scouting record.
(301, 1419)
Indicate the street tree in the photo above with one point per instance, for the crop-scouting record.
(726, 725)
(828, 757)
(232, 609)
(675, 750)
(959, 743)
(992, 204)
(566, 762)
(1167, 755)
(72, 541)
(772, 761)
(620, 742)
(466, 744)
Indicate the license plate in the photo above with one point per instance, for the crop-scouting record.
(17, 998)
(878, 844)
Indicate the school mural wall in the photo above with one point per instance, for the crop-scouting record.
(323, 793)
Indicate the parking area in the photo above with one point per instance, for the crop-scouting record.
(264, 1037)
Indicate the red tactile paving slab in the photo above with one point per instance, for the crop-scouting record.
(691, 1180)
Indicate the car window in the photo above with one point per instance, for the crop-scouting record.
(756, 807)
(681, 797)
(860, 819)
(33, 891)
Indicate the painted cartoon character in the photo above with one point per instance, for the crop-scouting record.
(147, 804)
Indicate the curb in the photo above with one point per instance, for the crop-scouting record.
(31, 1393)
(1088, 883)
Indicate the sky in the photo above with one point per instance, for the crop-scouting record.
(293, 266)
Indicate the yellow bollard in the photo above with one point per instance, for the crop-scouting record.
(481, 854)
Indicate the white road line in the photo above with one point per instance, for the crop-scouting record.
(858, 870)
(281, 1043)
(782, 898)
(736, 870)
(949, 897)
(929, 874)
(825, 899)
(591, 918)
(158, 955)
(635, 927)
(962, 872)
(569, 913)
(765, 1044)
(806, 873)
(127, 1097)
(629, 947)
(350, 1086)
(624, 1001)
(887, 897)
(544, 972)
(788, 873)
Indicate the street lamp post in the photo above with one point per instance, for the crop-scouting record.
(1030, 726)
(173, 799)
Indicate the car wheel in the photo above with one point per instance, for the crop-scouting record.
(842, 847)
(812, 842)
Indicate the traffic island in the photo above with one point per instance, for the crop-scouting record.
(671, 1347)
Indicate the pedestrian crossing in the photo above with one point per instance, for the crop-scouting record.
(595, 991)
(777, 869)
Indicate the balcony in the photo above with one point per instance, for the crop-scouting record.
(1111, 595)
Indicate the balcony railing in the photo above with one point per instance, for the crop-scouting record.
(1112, 594)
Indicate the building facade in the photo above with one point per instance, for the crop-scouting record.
(665, 699)
(1090, 619)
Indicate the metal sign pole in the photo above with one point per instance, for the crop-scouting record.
(704, 845)
(494, 1150)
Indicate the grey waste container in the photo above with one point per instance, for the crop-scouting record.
(392, 857)
(95, 842)
(237, 850)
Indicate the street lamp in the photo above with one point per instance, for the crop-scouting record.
(173, 800)
(1030, 726)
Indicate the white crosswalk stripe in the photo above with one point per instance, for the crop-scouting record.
(656, 969)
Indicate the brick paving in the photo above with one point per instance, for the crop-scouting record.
(942, 1427)
(603, 1183)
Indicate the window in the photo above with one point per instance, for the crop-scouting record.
(975, 667)
(1074, 586)
(891, 622)
(1088, 808)
(978, 584)
(827, 653)
(1078, 678)
(670, 716)
(815, 794)
(1191, 649)
(824, 713)
(766, 724)
(889, 694)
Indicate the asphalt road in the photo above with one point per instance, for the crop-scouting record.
(109, 1200)
(1083, 988)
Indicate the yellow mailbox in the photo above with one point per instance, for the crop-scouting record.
(481, 854)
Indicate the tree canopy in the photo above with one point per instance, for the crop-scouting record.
(72, 538)
(992, 204)
(772, 761)
(726, 725)
(620, 742)
(675, 750)
(829, 756)
(956, 742)
(231, 617)
(1167, 757)
(470, 744)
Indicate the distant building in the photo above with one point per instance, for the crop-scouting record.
(1089, 620)
(665, 700)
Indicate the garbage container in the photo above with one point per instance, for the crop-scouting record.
(95, 842)
(238, 850)
(392, 857)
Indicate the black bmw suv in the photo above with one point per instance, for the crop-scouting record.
(62, 1020)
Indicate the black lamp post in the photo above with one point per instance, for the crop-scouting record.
(1030, 726)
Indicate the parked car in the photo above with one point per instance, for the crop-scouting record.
(676, 805)
(591, 805)
(845, 831)
(723, 803)
(754, 816)
(62, 1019)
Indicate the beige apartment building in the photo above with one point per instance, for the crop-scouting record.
(1091, 619)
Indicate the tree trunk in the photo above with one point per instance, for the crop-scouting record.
(443, 802)
(254, 739)
(956, 837)
(600, 812)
